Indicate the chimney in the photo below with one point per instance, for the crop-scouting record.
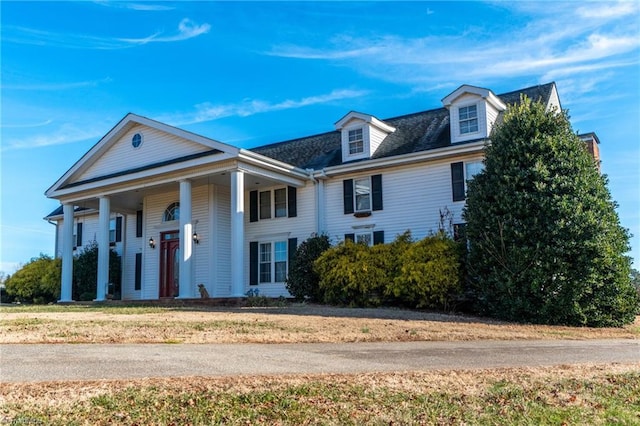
(591, 143)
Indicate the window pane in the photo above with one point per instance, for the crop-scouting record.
(362, 193)
(281, 251)
(265, 205)
(468, 118)
(472, 169)
(112, 230)
(280, 196)
(281, 271)
(265, 262)
(364, 238)
(356, 144)
(171, 213)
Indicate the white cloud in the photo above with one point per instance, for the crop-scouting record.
(187, 29)
(607, 9)
(583, 41)
(208, 111)
(64, 134)
(135, 6)
(55, 86)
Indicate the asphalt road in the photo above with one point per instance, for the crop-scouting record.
(34, 363)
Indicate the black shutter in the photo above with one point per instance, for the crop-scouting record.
(139, 223)
(253, 263)
(376, 192)
(292, 201)
(138, 282)
(253, 206)
(378, 237)
(79, 234)
(350, 237)
(459, 232)
(293, 246)
(347, 192)
(457, 181)
(118, 229)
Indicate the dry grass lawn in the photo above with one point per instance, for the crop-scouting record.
(290, 324)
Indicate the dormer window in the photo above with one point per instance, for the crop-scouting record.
(356, 142)
(361, 135)
(468, 117)
(473, 111)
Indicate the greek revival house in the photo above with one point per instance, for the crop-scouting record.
(183, 210)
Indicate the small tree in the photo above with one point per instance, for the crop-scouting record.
(546, 244)
(85, 272)
(36, 282)
(302, 281)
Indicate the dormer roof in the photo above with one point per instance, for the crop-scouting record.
(367, 118)
(486, 94)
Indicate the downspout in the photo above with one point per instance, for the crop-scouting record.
(317, 211)
(55, 253)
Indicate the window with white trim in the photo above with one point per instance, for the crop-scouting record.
(362, 194)
(471, 169)
(364, 238)
(112, 230)
(468, 119)
(273, 203)
(356, 141)
(273, 262)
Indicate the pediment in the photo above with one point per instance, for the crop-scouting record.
(137, 143)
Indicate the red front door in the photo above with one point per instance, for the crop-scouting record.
(169, 264)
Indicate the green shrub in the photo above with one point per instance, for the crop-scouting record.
(85, 273)
(350, 275)
(302, 281)
(36, 282)
(430, 273)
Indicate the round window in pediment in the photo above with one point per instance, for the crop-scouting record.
(136, 140)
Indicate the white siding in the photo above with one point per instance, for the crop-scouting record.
(157, 146)
(376, 136)
(201, 253)
(221, 255)
(412, 200)
(280, 229)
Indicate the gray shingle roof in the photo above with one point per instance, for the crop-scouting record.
(416, 132)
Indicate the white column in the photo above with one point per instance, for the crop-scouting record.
(67, 253)
(237, 233)
(186, 241)
(103, 248)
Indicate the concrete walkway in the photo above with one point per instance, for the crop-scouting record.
(33, 363)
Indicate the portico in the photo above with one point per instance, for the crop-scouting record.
(205, 180)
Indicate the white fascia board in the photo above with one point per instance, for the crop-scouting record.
(496, 102)
(448, 100)
(400, 160)
(367, 118)
(271, 164)
(149, 177)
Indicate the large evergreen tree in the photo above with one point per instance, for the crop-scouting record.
(545, 241)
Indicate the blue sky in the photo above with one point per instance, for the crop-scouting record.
(254, 73)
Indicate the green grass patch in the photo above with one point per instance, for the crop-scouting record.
(608, 399)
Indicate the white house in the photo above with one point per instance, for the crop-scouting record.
(182, 209)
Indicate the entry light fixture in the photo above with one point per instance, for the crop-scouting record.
(196, 238)
(152, 243)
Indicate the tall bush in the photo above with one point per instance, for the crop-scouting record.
(302, 281)
(38, 281)
(85, 273)
(546, 244)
